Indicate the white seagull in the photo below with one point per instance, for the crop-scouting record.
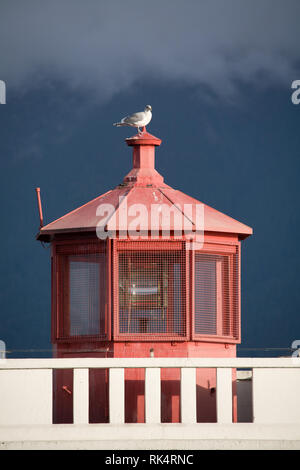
(138, 120)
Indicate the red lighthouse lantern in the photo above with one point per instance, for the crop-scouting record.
(144, 270)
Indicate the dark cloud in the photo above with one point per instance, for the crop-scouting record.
(107, 46)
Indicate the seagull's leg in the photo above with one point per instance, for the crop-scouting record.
(139, 132)
(144, 130)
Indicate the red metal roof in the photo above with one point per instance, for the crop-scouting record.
(142, 190)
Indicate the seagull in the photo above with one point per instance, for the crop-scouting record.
(138, 120)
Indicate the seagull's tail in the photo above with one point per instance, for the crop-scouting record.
(119, 124)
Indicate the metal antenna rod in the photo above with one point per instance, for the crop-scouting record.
(38, 194)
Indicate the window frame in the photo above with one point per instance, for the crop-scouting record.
(60, 317)
(144, 246)
(232, 252)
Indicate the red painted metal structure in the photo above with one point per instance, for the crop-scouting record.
(125, 283)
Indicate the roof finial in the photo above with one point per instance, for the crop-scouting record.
(143, 172)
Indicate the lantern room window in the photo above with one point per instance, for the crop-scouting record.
(151, 293)
(216, 295)
(157, 288)
(81, 287)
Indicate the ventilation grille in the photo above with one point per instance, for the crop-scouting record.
(151, 287)
(216, 293)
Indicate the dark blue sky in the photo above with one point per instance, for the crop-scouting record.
(236, 151)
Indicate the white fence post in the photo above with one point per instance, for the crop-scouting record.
(81, 396)
(188, 395)
(152, 395)
(224, 395)
(116, 395)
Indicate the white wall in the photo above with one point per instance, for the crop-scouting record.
(276, 397)
(25, 396)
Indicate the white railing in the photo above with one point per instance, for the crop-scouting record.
(26, 393)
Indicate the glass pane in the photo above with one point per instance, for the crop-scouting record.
(205, 296)
(84, 279)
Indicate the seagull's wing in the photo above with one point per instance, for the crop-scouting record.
(132, 118)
